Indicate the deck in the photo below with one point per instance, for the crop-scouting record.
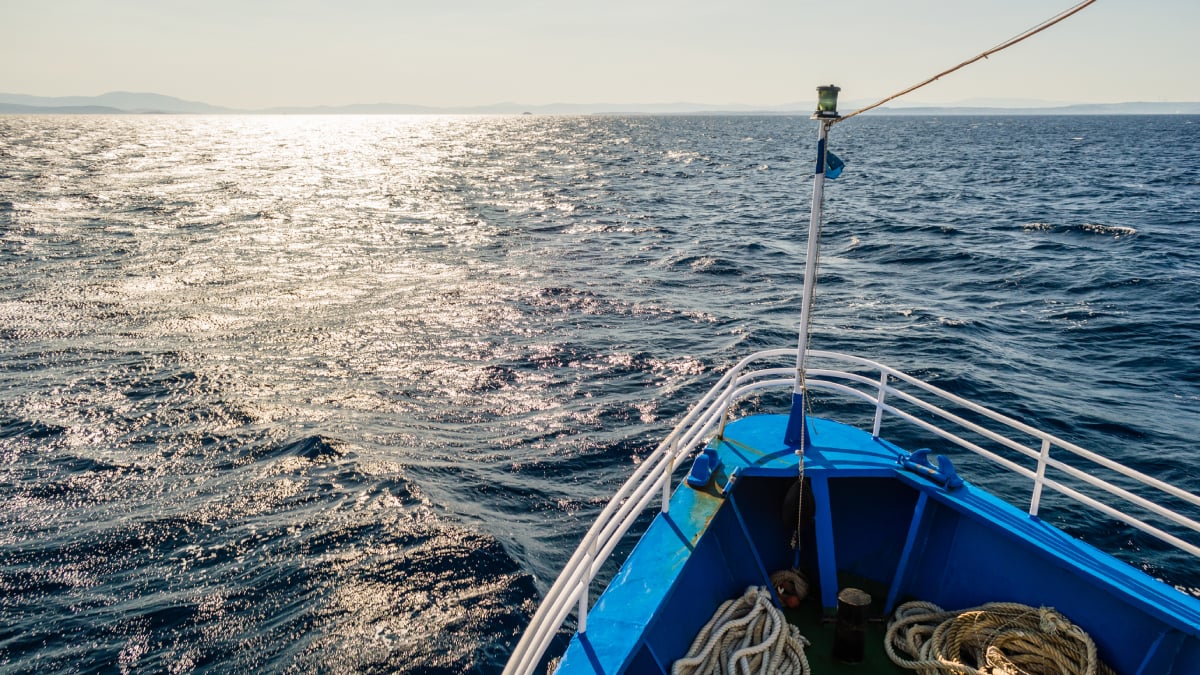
(895, 532)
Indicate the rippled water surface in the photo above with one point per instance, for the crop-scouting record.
(341, 394)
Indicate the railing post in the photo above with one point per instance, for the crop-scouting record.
(724, 416)
(666, 490)
(1039, 478)
(586, 582)
(726, 401)
(883, 380)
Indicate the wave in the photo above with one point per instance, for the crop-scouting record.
(266, 566)
(1114, 231)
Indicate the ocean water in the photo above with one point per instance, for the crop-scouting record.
(341, 394)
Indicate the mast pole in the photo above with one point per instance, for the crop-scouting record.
(826, 114)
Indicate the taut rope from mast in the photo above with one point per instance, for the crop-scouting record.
(796, 431)
(1003, 45)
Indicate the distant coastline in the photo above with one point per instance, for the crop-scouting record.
(130, 103)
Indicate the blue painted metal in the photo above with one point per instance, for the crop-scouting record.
(792, 436)
(1162, 653)
(673, 544)
(874, 519)
(940, 471)
(706, 464)
(826, 550)
(910, 542)
(764, 573)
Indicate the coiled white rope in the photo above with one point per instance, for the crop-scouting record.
(992, 639)
(791, 585)
(746, 635)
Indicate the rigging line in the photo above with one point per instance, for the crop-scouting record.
(1003, 45)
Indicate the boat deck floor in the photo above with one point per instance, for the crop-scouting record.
(820, 629)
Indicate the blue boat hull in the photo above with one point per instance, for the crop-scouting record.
(873, 521)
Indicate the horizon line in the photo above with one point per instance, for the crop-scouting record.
(129, 102)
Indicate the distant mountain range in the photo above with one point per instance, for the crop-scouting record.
(115, 102)
(125, 103)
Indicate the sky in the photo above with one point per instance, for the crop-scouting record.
(263, 53)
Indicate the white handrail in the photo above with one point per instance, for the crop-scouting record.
(570, 590)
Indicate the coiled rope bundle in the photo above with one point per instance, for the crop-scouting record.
(791, 585)
(746, 635)
(992, 639)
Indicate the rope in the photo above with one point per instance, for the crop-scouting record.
(790, 584)
(1003, 45)
(797, 537)
(992, 639)
(746, 635)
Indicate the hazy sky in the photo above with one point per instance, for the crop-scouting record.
(260, 53)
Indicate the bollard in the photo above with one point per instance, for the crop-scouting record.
(850, 635)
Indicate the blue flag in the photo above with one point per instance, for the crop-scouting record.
(833, 165)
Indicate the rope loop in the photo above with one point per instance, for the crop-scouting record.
(746, 635)
(997, 638)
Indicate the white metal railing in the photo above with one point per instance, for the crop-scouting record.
(653, 476)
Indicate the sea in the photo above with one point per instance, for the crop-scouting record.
(341, 394)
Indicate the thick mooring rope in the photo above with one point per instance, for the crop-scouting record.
(992, 639)
(746, 635)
